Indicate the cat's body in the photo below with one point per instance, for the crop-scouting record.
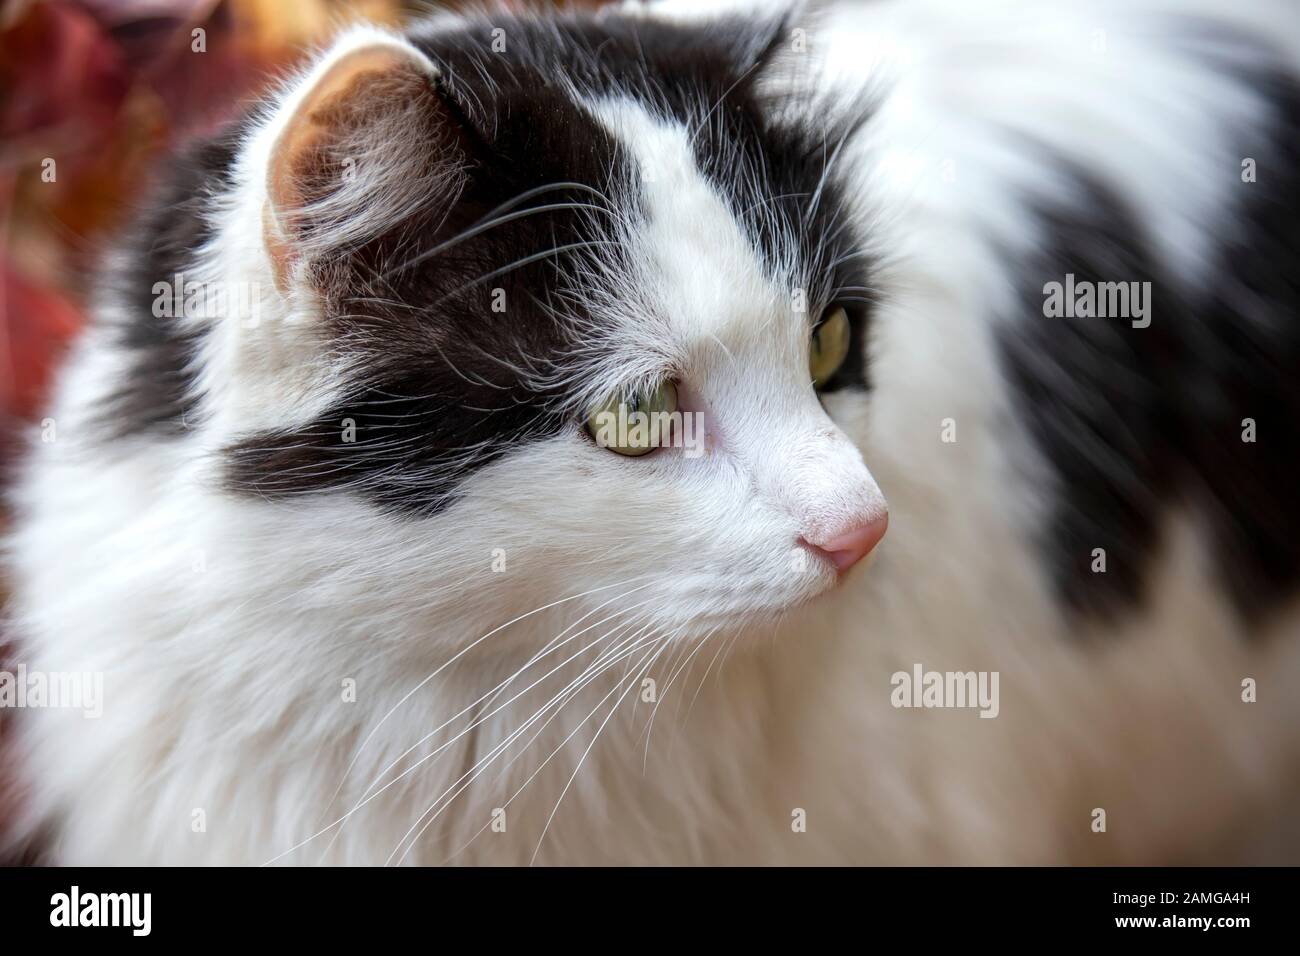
(266, 610)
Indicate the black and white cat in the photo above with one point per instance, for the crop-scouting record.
(364, 585)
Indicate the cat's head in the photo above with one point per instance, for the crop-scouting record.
(476, 239)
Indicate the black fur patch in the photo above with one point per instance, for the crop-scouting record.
(1136, 420)
(439, 393)
(777, 177)
(1249, 347)
(156, 397)
(1095, 395)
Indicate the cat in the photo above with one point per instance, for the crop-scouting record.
(331, 509)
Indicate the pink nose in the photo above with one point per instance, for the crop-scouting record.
(847, 549)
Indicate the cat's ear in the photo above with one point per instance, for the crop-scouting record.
(363, 142)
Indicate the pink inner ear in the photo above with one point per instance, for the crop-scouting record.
(338, 103)
(278, 249)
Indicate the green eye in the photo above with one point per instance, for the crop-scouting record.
(830, 346)
(634, 424)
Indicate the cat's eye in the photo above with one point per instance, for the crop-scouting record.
(830, 346)
(636, 423)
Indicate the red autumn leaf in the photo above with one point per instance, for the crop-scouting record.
(36, 323)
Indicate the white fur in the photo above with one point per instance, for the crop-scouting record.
(225, 627)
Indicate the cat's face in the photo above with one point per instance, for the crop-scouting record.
(485, 245)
